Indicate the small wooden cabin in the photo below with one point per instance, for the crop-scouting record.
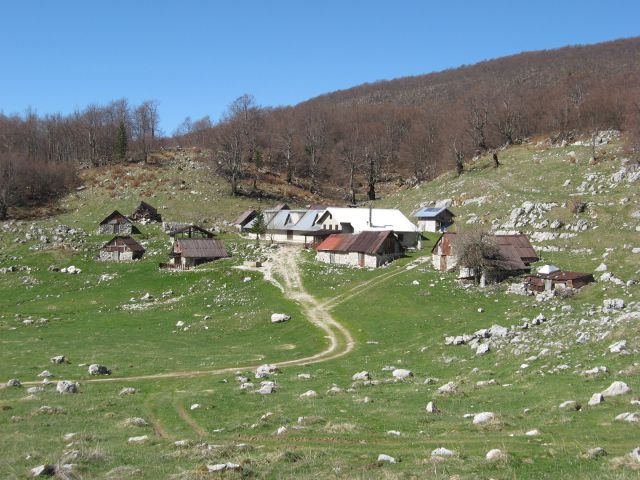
(117, 224)
(145, 212)
(434, 219)
(121, 249)
(365, 249)
(189, 252)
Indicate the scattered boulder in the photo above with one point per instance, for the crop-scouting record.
(618, 347)
(595, 453)
(570, 405)
(431, 408)
(265, 370)
(496, 455)
(448, 388)
(280, 317)
(532, 433)
(14, 382)
(361, 376)
(222, 467)
(443, 452)
(484, 417)
(58, 359)
(615, 389)
(635, 454)
(65, 386)
(309, 394)
(138, 440)
(127, 391)
(386, 458)
(402, 373)
(628, 417)
(483, 349)
(43, 471)
(135, 422)
(97, 369)
(596, 399)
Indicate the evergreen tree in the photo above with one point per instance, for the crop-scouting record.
(259, 227)
(121, 141)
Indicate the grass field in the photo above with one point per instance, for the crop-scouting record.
(398, 316)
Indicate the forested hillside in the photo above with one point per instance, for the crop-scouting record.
(343, 146)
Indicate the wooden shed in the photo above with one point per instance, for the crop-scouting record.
(434, 219)
(145, 212)
(121, 249)
(117, 224)
(189, 252)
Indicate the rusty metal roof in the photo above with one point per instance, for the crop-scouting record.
(363, 242)
(562, 276)
(200, 248)
(520, 243)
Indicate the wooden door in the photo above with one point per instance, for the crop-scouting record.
(361, 259)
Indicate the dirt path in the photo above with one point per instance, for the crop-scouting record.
(283, 264)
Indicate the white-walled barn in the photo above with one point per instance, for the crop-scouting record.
(364, 249)
(434, 219)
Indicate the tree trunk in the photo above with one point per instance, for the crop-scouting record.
(496, 162)
(3, 211)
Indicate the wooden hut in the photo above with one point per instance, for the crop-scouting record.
(364, 249)
(121, 249)
(117, 224)
(189, 252)
(145, 213)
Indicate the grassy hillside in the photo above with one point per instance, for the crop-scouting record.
(399, 317)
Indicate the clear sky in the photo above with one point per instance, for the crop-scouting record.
(196, 56)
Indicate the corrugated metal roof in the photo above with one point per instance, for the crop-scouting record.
(521, 244)
(363, 242)
(200, 248)
(381, 219)
(432, 212)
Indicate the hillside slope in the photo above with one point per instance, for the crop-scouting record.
(323, 420)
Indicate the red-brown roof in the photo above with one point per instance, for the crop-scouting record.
(363, 242)
(563, 276)
(520, 244)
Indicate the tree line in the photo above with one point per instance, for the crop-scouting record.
(39, 155)
(413, 129)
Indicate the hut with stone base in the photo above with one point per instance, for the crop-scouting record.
(117, 224)
(121, 249)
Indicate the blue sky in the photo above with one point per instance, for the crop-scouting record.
(195, 57)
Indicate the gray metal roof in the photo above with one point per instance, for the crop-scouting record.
(431, 212)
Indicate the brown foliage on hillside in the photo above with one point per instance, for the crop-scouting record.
(415, 128)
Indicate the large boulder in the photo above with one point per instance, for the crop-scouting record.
(402, 373)
(361, 376)
(483, 417)
(65, 386)
(443, 452)
(280, 317)
(615, 389)
(448, 388)
(14, 382)
(58, 359)
(97, 369)
(265, 370)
